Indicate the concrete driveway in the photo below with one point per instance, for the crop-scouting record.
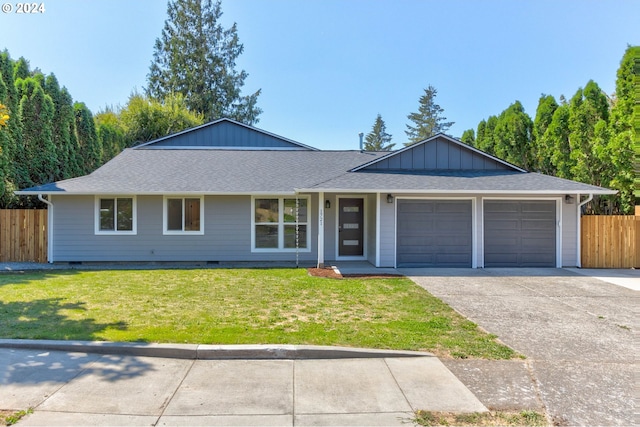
(577, 334)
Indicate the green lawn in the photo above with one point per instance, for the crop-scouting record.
(236, 306)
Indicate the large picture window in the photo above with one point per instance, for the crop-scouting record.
(115, 215)
(183, 215)
(280, 224)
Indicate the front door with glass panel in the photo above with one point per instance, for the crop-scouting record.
(350, 227)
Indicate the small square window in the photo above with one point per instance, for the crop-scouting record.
(115, 215)
(183, 215)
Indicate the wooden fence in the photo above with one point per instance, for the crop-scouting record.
(610, 241)
(23, 235)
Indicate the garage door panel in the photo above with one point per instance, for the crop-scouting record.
(520, 233)
(434, 233)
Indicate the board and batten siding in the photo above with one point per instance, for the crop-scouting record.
(227, 234)
(438, 154)
(225, 135)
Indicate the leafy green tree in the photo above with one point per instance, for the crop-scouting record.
(144, 119)
(110, 133)
(587, 108)
(378, 139)
(485, 140)
(513, 136)
(556, 136)
(88, 142)
(38, 155)
(196, 57)
(428, 121)
(542, 149)
(468, 137)
(620, 150)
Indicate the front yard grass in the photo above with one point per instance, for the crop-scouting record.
(236, 306)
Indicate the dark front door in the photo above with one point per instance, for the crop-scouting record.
(350, 227)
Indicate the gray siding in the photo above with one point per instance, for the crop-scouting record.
(227, 237)
(387, 232)
(370, 206)
(438, 154)
(569, 218)
(226, 134)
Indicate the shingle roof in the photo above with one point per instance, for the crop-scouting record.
(172, 171)
(175, 171)
(450, 181)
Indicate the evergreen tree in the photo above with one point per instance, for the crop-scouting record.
(587, 108)
(468, 137)
(486, 139)
(5, 178)
(13, 132)
(620, 150)
(21, 69)
(513, 136)
(196, 57)
(542, 148)
(64, 137)
(378, 139)
(428, 121)
(88, 142)
(557, 138)
(38, 155)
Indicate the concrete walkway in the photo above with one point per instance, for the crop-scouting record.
(578, 333)
(350, 388)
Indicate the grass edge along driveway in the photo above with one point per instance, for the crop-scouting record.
(237, 306)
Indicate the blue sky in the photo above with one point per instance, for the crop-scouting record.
(328, 67)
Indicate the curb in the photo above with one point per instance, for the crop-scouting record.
(208, 351)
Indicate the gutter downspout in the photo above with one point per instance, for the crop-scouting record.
(579, 237)
(49, 228)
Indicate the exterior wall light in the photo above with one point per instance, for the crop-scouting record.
(327, 204)
(389, 198)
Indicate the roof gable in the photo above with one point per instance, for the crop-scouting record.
(440, 152)
(225, 134)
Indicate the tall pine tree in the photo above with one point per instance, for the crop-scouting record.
(378, 139)
(196, 57)
(428, 121)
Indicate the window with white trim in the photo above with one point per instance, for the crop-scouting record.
(115, 215)
(183, 215)
(280, 224)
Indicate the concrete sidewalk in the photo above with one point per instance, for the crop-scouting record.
(82, 388)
